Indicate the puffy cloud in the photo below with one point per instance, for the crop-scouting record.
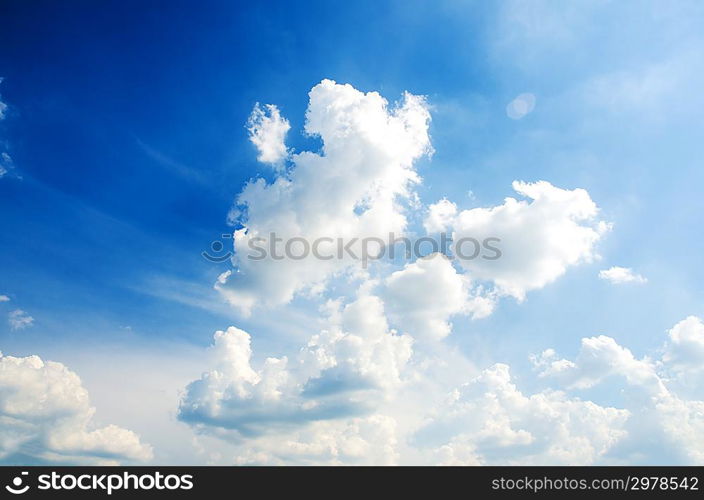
(267, 131)
(618, 275)
(368, 440)
(356, 352)
(354, 394)
(346, 370)
(489, 421)
(539, 239)
(599, 358)
(425, 294)
(46, 416)
(321, 407)
(353, 189)
(352, 192)
(358, 391)
(440, 216)
(668, 426)
(685, 348)
(18, 319)
(683, 357)
(233, 395)
(4, 298)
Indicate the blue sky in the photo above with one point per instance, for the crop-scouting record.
(125, 123)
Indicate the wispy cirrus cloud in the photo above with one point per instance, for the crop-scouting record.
(6, 162)
(3, 106)
(19, 319)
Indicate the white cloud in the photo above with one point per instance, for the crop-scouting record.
(359, 391)
(353, 189)
(489, 421)
(683, 356)
(685, 349)
(425, 294)
(5, 159)
(664, 422)
(539, 239)
(4, 298)
(3, 106)
(307, 407)
(354, 363)
(18, 319)
(600, 358)
(320, 406)
(368, 440)
(6, 163)
(45, 416)
(618, 275)
(267, 131)
(440, 216)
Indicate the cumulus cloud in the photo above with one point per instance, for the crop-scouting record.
(440, 216)
(19, 319)
(4, 298)
(619, 275)
(683, 356)
(539, 239)
(343, 371)
(685, 349)
(360, 186)
(599, 358)
(319, 406)
(370, 440)
(353, 189)
(233, 394)
(358, 392)
(363, 389)
(489, 421)
(267, 131)
(666, 423)
(425, 294)
(45, 416)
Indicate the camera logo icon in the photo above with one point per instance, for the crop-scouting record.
(16, 488)
(217, 247)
